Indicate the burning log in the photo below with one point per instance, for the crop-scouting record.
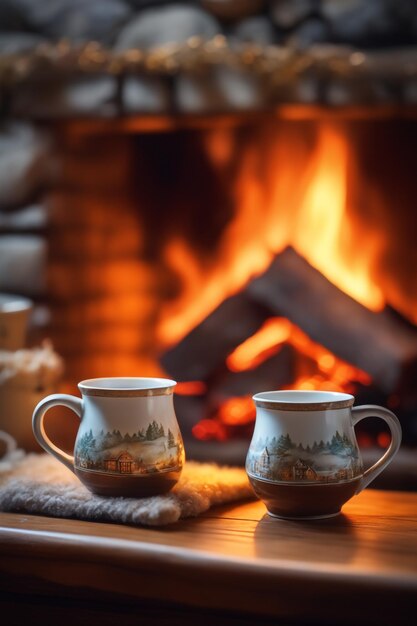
(381, 344)
(274, 373)
(198, 401)
(206, 347)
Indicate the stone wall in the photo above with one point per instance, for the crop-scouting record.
(112, 57)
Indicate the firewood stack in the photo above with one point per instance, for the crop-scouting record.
(382, 345)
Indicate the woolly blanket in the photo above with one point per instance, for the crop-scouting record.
(41, 485)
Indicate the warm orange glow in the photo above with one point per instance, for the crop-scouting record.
(237, 411)
(260, 346)
(209, 429)
(383, 440)
(365, 440)
(328, 374)
(288, 193)
(299, 199)
(324, 235)
(326, 361)
(191, 388)
(333, 374)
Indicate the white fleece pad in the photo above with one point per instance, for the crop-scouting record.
(41, 485)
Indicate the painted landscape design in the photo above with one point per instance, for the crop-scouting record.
(150, 450)
(280, 459)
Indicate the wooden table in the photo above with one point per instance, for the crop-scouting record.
(234, 565)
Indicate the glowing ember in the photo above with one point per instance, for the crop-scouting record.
(191, 388)
(330, 373)
(209, 429)
(237, 411)
(263, 344)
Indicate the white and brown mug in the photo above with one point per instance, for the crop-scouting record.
(15, 312)
(128, 442)
(303, 460)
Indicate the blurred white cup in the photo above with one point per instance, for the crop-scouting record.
(15, 313)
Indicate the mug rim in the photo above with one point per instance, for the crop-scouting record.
(303, 400)
(13, 303)
(126, 386)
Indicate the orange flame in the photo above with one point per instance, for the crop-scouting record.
(331, 371)
(324, 233)
(326, 372)
(191, 388)
(300, 201)
(287, 194)
(260, 346)
(237, 411)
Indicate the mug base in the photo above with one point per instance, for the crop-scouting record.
(302, 518)
(113, 485)
(304, 501)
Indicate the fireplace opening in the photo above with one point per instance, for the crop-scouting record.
(239, 257)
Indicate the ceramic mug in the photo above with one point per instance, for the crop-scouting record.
(128, 442)
(16, 413)
(14, 317)
(303, 460)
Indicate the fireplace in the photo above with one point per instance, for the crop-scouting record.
(239, 257)
(235, 245)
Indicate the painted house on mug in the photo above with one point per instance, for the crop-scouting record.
(270, 465)
(261, 464)
(302, 471)
(124, 463)
(351, 470)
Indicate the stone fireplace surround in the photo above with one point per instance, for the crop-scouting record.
(127, 57)
(152, 62)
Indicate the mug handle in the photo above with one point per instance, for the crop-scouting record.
(10, 442)
(371, 410)
(56, 399)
